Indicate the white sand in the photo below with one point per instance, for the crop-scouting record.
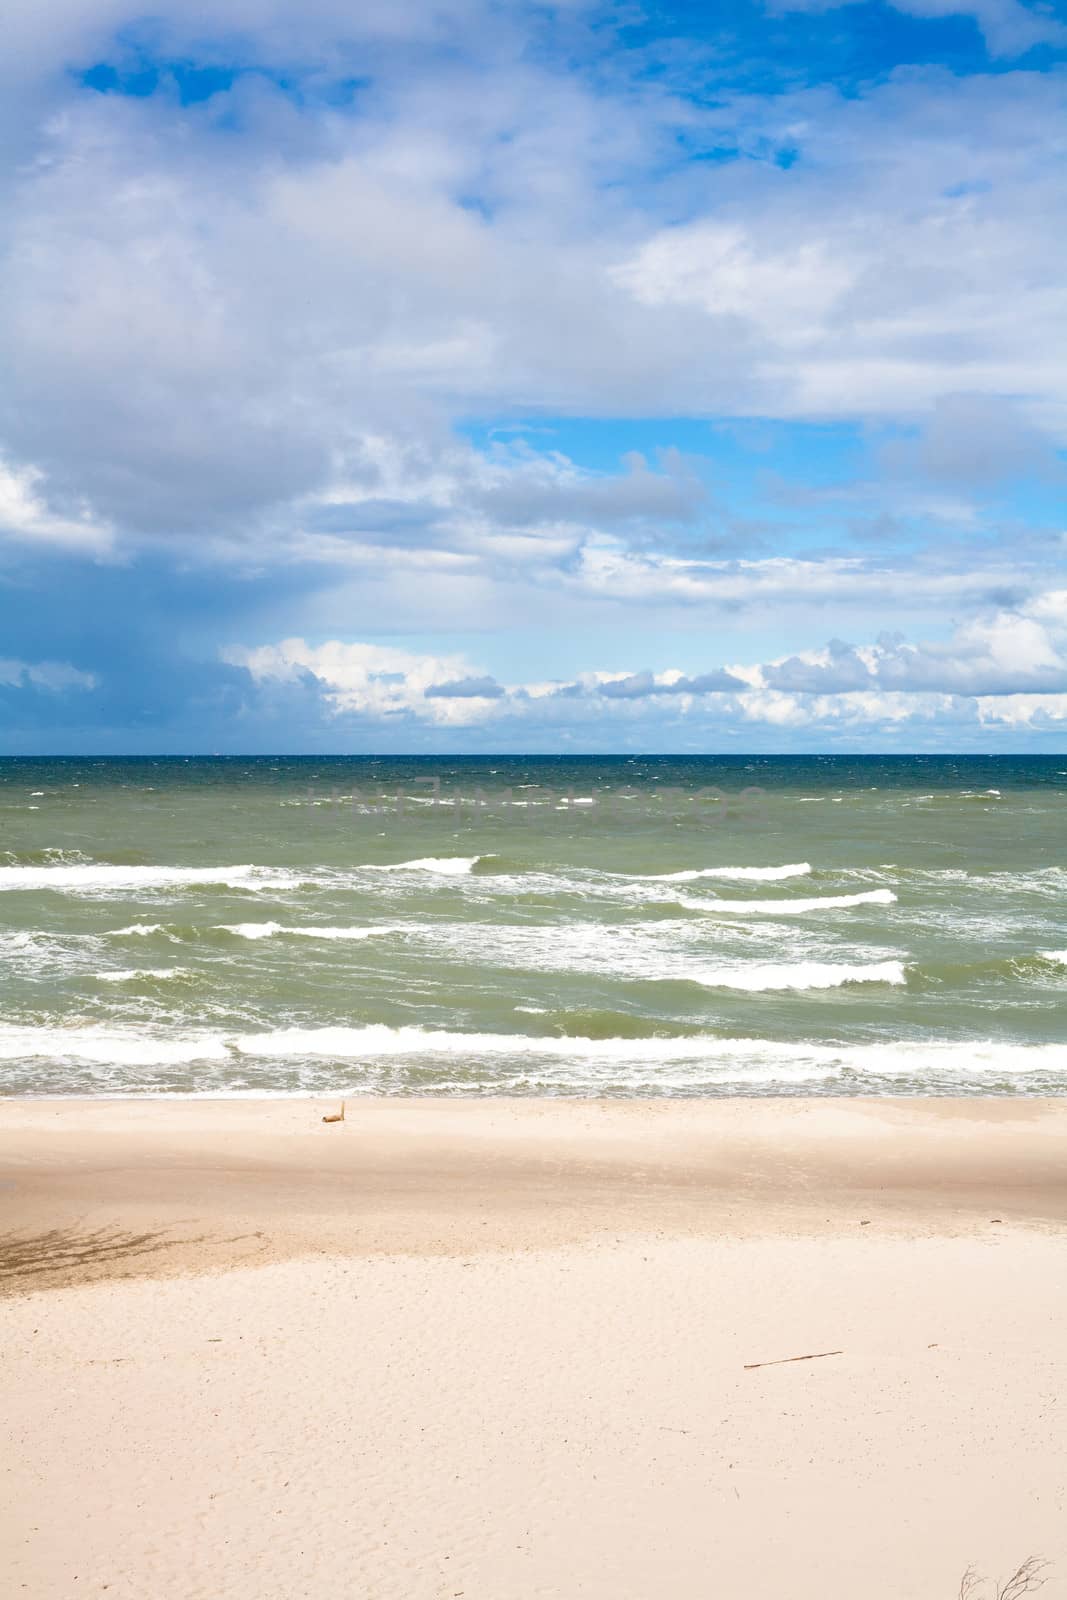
(559, 1419)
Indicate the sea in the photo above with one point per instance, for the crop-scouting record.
(627, 926)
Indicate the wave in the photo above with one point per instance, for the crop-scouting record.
(921, 1061)
(1043, 880)
(448, 866)
(51, 855)
(796, 908)
(797, 869)
(800, 976)
(1042, 964)
(109, 1047)
(132, 974)
(95, 877)
(676, 950)
(267, 930)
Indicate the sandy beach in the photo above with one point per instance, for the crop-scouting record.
(505, 1350)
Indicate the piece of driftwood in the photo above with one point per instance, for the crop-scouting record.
(782, 1361)
(338, 1116)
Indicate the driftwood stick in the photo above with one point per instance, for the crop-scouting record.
(817, 1355)
(338, 1116)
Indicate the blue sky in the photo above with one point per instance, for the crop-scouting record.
(494, 376)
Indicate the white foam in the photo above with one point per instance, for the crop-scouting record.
(109, 1048)
(796, 908)
(752, 1059)
(796, 869)
(267, 930)
(141, 929)
(897, 1058)
(96, 877)
(800, 976)
(129, 974)
(380, 1040)
(1055, 955)
(449, 866)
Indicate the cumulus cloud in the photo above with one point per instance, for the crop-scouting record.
(26, 515)
(379, 681)
(483, 688)
(1006, 653)
(640, 685)
(1015, 659)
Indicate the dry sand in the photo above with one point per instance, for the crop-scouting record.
(500, 1350)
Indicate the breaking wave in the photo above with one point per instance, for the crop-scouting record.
(796, 908)
(622, 1061)
(268, 930)
(447, 866)
(102, 877)
(797, 869)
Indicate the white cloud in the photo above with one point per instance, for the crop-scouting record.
(1007, 652)
(26, 515)
(1024, 710)
(246, 335)
(208, 312)
(608, 568)
(1008, 668)
(56, 676)
(379, 681)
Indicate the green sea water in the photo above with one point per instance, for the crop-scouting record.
(624, 926)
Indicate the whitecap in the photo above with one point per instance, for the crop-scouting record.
(795, 869)
(737, 1059)
(266, 930)
(95, 877)
(108, 1047)
(130, 974)
(796, 908)
(895, 1058)
(449, 866)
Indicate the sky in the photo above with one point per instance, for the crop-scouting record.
(489, 376)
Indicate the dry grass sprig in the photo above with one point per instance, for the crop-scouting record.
(1026, 1579)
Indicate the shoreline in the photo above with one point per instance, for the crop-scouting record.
(219, 1183)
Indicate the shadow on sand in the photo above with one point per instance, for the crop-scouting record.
(70, 1255)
